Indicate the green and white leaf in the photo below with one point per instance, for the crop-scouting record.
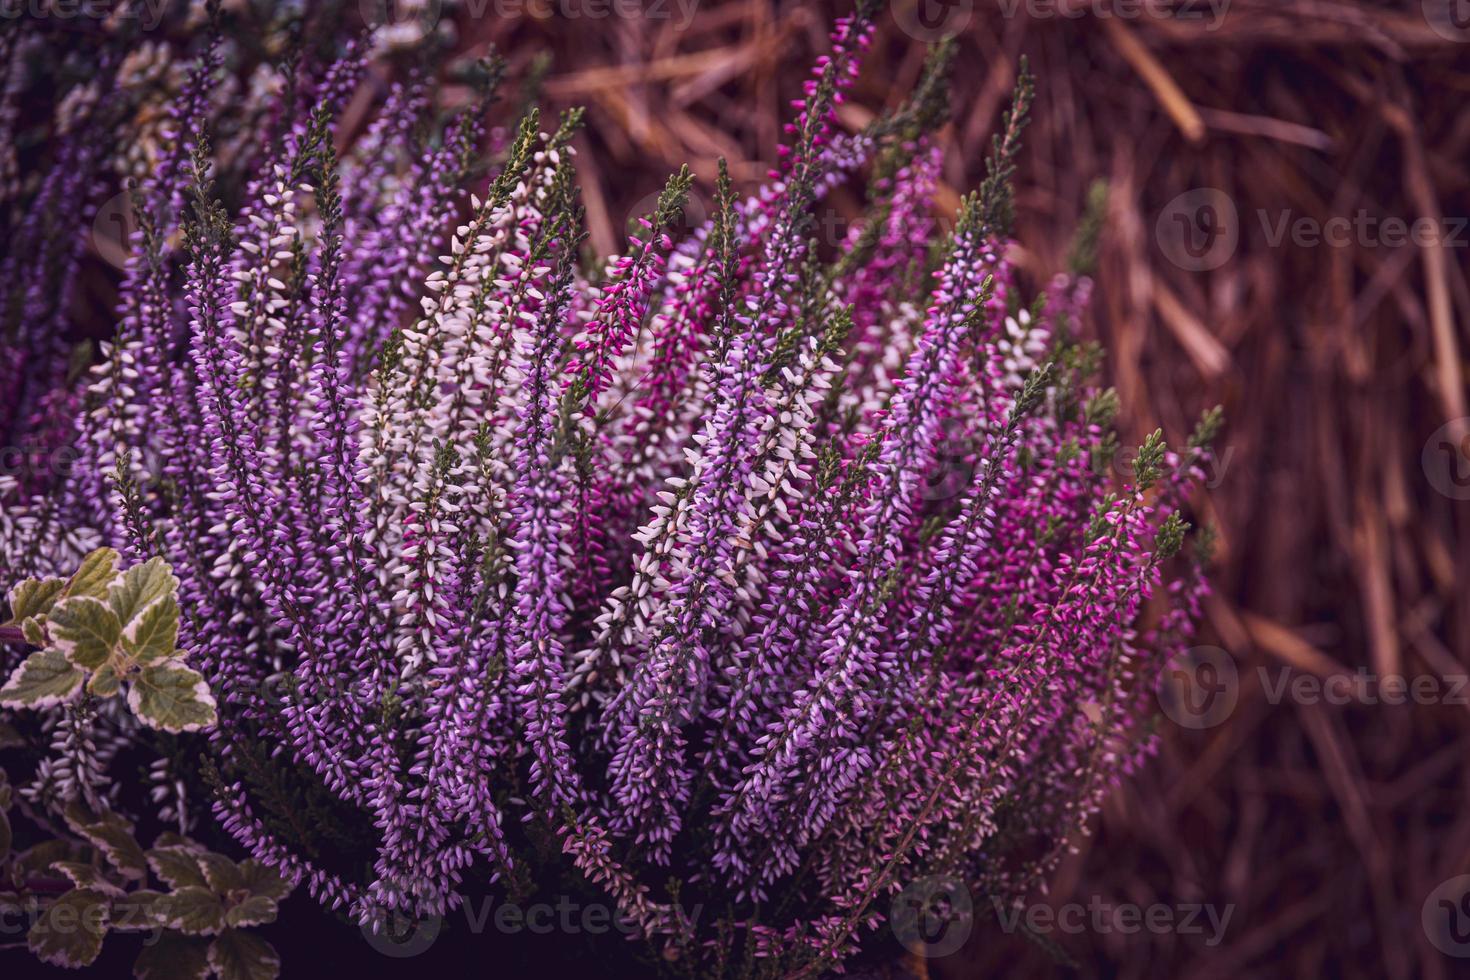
(97, 572)
(34, 632)
(152, 635)
(222, 874)
(42, 680)
(261, 879)
(33, 597)
(238, 955)
(37, 859)
(111, 834)
(139, 586)
(70, 932)
(173, 957)
(170, 838)
(105, 683)
(137, 911)
(257, 910)
(177, 866)
(192, 910)
(84, 875)
(85, 630)
(172, 697)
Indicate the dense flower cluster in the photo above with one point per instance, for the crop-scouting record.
(783, 572)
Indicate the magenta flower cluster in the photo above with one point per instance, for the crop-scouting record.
(749, 569)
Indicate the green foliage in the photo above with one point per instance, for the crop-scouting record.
(1149, 462)
(94, 882)
(108, 628)
(70, 931)
(1207, 429)
(1083, 258)
(996, 197)
(1170, 537)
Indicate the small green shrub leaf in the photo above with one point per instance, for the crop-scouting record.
(173, 957)
(111, 834)
(84, 630)
(98, 571)
(34, 597)
(222, 874)
(84, 875)
(34, 631)
(177, 866)
(153, 633)
(42, 680)
(260, 879)
(172, 697)
(70, 932)
(136, 912)
(192, 910)
(257, 910)
(104, 683)
(139, 587)
(240, 956)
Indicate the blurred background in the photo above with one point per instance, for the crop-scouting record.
(1285, 235)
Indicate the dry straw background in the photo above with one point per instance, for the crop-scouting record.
(1344, 547)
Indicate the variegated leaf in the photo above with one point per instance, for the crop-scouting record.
(172, 697)
(222, 874)
(173, 957)
(84, 875)
(260, 879)
(111, 834)
(239, 955)
(153, 634)
(140, 586)
(104, 683)
(42, 680)
(33, 597)
(70, 932)
(178, 866)
(192, 910)
(97, 572)
(84, 630)
(257, 910)
(137, 911)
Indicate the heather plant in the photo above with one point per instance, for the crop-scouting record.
(746, 571)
